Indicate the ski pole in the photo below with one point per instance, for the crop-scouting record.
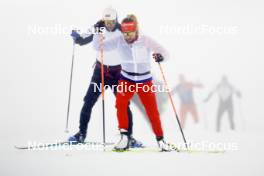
(173, 106)
(102, 80)
(69, 98)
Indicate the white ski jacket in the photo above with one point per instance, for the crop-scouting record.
(111, 57)
(135, 58)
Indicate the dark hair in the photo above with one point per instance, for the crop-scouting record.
(130, 18)
(127, 20)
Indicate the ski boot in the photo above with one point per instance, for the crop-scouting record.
(133, 143)
(164, 146)
(77, 138)
(123, 144)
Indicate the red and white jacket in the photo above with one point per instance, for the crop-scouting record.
(135, 57)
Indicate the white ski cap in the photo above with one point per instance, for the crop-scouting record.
(109, 14)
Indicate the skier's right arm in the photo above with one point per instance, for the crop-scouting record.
(211, 94)
(81, 39)
(85, 38)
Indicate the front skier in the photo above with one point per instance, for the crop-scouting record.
(135, 50)
(112, 69)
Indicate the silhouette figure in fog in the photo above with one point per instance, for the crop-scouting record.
(225, 93)
(187, 104)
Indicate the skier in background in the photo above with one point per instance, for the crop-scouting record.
(187, 104)
(112, 69)
(225, 93)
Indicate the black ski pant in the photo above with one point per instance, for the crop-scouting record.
(111, 76)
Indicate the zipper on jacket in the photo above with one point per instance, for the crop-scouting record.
(134, 60)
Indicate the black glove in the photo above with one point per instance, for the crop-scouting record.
(99, 24)
(158, 57)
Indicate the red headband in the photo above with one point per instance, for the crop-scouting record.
(128, 27)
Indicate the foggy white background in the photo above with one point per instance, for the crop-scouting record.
(35, 70)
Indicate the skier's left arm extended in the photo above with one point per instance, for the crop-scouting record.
(211, 94)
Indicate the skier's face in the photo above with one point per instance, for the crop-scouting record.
(110, 24)
(130, 37)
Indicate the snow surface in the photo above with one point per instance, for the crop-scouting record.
(34, 74)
